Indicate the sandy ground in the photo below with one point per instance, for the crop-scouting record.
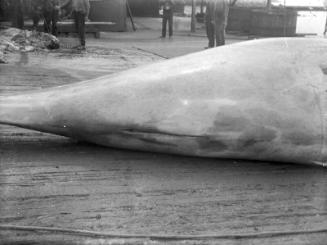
(53, 181)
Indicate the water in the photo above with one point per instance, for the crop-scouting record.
(302, 3)
(311, 22)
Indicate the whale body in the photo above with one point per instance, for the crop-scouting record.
(258, 100)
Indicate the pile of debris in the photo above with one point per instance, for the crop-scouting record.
(13, 39)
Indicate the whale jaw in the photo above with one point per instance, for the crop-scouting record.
(207, 146)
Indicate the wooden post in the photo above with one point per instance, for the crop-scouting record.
(193, 16)
(129, 12)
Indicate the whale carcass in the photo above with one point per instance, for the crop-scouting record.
(257, 100)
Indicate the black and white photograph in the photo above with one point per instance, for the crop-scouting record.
(163, 122)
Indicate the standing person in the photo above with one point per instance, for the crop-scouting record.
(18, 16)
(222, 10)
(168, 6)
(1, 9)
(210, 22)
(216, 21)
(51, 16)
(36, 11)
(81, 9)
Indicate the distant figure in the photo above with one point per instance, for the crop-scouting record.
(36, 11)
(51, 15)
(2, 9)
(18, 15)
(168, 11)
(216, 21)
(81, 9)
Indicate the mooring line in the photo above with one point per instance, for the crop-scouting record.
(94, 234)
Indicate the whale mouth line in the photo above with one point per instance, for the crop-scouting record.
(154, 132)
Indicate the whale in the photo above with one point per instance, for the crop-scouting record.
(262, 100)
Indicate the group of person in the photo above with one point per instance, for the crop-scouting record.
(216, 17)
(49, 11)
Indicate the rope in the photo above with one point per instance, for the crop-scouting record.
(94, 234)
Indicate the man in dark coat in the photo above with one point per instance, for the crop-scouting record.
(81, 9)
(168, 12)
(18, 14)
(36, 12)
(216, 21)
(51, 16)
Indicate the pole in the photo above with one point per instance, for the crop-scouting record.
(268, 4)
(193, 16)
(129, 12)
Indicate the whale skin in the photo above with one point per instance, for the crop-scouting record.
(259, 100)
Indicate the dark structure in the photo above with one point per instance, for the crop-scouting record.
(275, 22)
(109, 11)
(144, 8)
(263, 21)
(239, 19)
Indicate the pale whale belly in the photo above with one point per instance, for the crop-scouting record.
(209, 146)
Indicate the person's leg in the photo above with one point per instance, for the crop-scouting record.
(20, 16)
(220, 34)
(210, 34)
(20, 21)
(54, 20)
(207, 28)
(75, 16)
(82, 28)
(170, 23)
(223, 32)
(164, 24)
(77, 23)
(36, 19)
(47, 22)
